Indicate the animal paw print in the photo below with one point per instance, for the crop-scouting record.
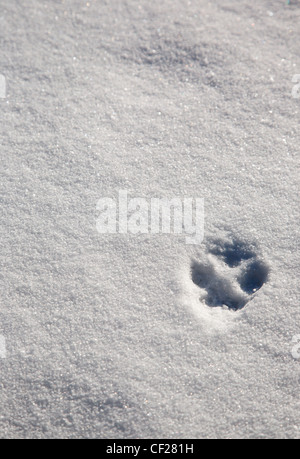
(229, 275)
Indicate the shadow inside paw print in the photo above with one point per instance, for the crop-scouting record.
(254, 277)
(233, 253)
(230, 274)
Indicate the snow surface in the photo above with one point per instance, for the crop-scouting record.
(110, 336)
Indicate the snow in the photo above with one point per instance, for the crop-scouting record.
(109, 335)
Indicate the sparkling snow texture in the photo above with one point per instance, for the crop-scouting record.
(138, 336)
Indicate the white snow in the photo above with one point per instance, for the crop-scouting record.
(107, 335)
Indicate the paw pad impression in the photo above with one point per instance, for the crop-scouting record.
(229, 274)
